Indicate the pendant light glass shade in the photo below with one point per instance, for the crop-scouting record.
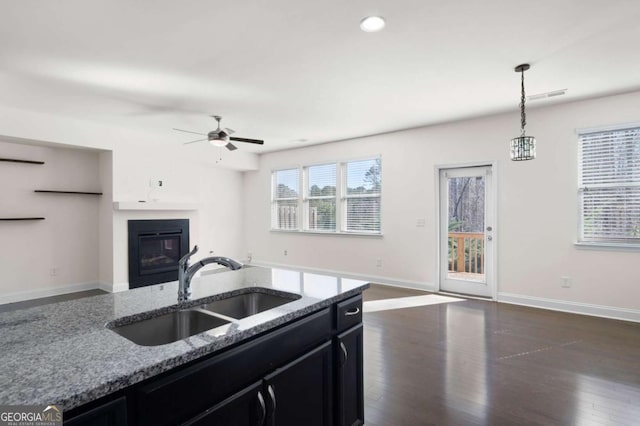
(523, 147)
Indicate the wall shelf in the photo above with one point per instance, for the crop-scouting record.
(21, 218)
(15, 160)
(47, 191)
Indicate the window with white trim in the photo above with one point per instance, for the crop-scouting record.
(609, 186)
(320, 197)
(285, 199)
(362, 196)
(339, 198)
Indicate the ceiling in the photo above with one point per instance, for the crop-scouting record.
(296, 73)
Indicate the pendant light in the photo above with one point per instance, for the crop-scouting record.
(523, 147)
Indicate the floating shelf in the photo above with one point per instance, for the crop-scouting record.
(154, 205)
(15, 160)
(21, 218)
(46, 191)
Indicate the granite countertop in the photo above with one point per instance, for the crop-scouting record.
(62, 353)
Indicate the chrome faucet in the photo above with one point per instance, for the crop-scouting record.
(186, 271)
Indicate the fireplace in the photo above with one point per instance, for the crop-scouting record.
(155, 248)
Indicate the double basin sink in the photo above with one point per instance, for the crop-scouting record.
(180, 324)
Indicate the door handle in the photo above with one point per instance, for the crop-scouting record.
(272, 396)
(263, 409)
(352, 312)
(344, 353)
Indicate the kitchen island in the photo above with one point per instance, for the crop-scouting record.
(63, 354)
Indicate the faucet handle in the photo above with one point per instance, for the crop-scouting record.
(185, 259)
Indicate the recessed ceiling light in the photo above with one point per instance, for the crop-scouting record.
(371, 24)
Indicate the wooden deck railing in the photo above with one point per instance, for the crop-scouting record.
(466, 252)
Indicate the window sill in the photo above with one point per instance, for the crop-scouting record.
(342, 234)
(607, 246)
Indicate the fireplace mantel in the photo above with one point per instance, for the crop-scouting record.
(154, 205)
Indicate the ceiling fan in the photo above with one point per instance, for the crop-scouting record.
(221, 137)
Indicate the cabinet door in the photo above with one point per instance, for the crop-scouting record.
(113, 413)
(300, 393)
(245, 408)
(349, 386)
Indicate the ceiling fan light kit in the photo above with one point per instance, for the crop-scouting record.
(523, 147)
(218, 142)
(220, 137)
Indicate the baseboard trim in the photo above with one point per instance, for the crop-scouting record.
(572, 307)
(21, 296)
(394, 282)
(114, 288)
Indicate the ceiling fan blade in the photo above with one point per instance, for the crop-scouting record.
(189, 131)
(256, 141)
(199, 140)
(231, 147)
(229, 131)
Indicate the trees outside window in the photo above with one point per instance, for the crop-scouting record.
(284, 207)
(337, 197)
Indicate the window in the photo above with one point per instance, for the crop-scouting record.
(337, 198)
(362, 196)
(320, 201)
(609, 186)
(286, 189)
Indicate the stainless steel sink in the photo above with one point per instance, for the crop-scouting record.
(247, 304)
(168, 328)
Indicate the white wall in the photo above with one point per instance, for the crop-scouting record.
(130, 159)
(216, 226)
(537, 208)
(60, 253)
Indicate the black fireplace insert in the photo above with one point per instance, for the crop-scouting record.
(155, 248)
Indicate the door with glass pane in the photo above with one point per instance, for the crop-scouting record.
(466, 231)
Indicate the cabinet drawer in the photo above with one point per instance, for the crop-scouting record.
(348, 313)
(191, 390)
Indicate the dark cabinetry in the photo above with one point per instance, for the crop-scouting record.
(112, 413)
(348, 350)
(245, 408)
(306, 372)
(349, 377)
(301, 392)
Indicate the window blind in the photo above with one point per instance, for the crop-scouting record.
(609, 186)
(362, 196)
(321, 197)
(286, 184)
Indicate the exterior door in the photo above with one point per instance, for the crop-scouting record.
(466, 231)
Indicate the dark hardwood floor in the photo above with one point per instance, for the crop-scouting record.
(476, 362)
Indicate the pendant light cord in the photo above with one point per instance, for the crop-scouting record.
(523, 114)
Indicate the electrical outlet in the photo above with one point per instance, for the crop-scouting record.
(421, 222)
(54, 271)
(566, 282)
(249, 257)
(379, 262)
(285, 253)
